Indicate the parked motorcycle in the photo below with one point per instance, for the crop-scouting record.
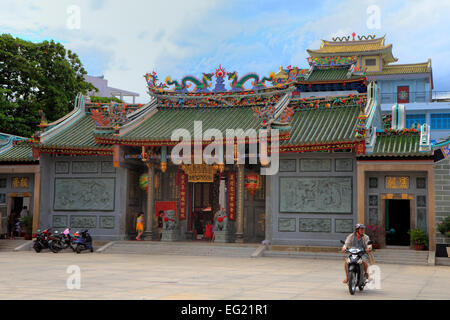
(61, 241)
(43, 239)
(83, 241)
(355, 269)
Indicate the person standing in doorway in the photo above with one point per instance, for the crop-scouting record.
(160, 224)
(12, 224)
(24, 212)
(140, 225)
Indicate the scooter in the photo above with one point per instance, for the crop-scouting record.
(43, 239)
(83, 241)
(61, 241)
(355, 269)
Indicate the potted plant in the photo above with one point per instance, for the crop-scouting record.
(27, 225)
(419, 239)
(444, 229)
(372, 232)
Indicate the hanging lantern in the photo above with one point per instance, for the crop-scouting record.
(251, 183)
(143, 182)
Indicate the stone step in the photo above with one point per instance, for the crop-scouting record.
(7, 245)
(180, 249)
(411, 260)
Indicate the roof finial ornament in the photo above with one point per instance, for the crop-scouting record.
(353, 35)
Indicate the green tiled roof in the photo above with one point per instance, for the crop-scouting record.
(161, 125)
(331, 75)
(397, 146)
(21, 152)
(79, 134)
(323, 125)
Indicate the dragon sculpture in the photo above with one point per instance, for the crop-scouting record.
(239, 85)
(152, 79)
(200, 86)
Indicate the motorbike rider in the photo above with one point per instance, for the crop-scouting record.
(358, 240)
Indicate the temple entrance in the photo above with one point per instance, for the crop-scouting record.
(397, 222)
(204, 205)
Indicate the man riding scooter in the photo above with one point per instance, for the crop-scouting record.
(361, 241)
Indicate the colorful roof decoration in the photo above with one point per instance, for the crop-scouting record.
(424, 67)
(345, 46)
(15, 148)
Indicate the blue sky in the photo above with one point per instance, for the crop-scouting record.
(124, 40)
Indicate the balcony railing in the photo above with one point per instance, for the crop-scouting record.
(420, 96)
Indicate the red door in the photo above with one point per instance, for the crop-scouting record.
(403, 94)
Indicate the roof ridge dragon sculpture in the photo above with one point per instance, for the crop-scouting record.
(238, 85)
(200, 85)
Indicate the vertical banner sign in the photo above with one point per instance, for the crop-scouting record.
(403, 94)
(232, 195)
(183, 195)
(116, 156)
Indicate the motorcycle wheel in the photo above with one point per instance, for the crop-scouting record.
(78, 249)
(37, 247)
(54, 247)
(352, 281)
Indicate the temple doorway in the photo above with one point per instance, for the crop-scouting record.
(397, 222)
(204, 206)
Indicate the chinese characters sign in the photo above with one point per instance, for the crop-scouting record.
(183, 196)
(20, 182)
(232, 195)
(397, 182)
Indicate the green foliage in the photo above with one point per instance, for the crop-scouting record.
(36, 76)
(27, 223)
(104, 99)
(418, 236)
(444, 227)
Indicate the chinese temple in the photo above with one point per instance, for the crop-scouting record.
(340, 161)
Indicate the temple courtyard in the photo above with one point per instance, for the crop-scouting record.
(29, 275)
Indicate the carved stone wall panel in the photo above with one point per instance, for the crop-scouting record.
(88, 222)
(344, 165)
(60, 221)
(62, 167)
(315, 165)
(84, 194)
(107, 167)
(107, 222)
(314, 225)
(422, 219)
(286, 224)
(343, 225)
(84, 167)
(373, 215)
(316, 194)
(288, 165)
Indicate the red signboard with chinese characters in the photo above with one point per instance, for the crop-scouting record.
(232, 195)
(165, 205)
(183, 195)
(403, 94)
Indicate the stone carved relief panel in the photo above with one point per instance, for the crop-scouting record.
(288, 165)
(60, 221)
(286, 224)
(343, 225)
(107, 167)
(62, 166)
(84, 167)
(107, 222)
(87, 222)
(316, 194)
(344, 165)
(315, 165)
(314, 225)
(84, 194)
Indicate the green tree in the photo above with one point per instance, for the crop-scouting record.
(36, 76)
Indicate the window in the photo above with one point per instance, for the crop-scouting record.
(3, 183)
(440, 121)
(373, 183)
(371, 62)
(415, 118)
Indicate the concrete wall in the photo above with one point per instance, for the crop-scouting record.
(326, 229)
(442, 195)
(103, 224)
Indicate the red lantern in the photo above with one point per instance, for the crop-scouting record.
(251, 183)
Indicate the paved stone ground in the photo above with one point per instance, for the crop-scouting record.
(29, 275)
